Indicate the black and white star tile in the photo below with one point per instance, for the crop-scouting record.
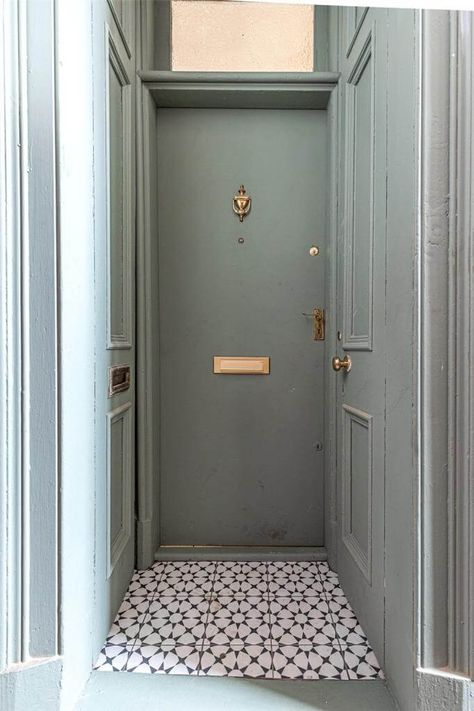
(262, 620)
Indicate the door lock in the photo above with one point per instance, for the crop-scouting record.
(319, 324)
(342, 363)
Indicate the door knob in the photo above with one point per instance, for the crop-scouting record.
(342, 363)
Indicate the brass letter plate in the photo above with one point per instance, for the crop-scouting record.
(241, 365)
(119, 379)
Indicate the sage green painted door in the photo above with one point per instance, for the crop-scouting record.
(361, 323)
(240, 454)
(114, 191)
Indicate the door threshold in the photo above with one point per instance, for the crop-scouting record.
(245, 553)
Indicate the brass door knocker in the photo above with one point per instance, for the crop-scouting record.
(241, 203)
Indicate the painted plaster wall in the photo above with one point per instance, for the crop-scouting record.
(231, 36)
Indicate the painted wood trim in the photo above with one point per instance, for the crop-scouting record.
(274, 90)
(353, 27)
(120, 341)
(331, 384)
(147, 468)
(361, 559)
(321, 38)
(234, 78)
(116, 547)
(354, 341)
(461, 381)
(11, 341)
(29, 590)
(123, 27)
(433, 347)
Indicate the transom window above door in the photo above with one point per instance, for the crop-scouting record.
(221, 35)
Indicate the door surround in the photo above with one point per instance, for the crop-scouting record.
(165, 89)
(444, 493)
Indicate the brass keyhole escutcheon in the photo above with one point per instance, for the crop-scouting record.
(342, 363)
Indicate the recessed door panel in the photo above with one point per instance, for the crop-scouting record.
(358, 301)
(119, 482)
(240, 459)
(119, 203)
(357, 487)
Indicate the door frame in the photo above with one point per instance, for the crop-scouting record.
(445, 495)
(165, 89)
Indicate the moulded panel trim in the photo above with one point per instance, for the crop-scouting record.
(352, 340)
(123, 21)
(122, 340)
(363, 559)
(353, 26)
(117, 544)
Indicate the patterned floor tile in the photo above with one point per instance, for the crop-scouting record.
(250, 569)
(300, 662)
(360, 662)
(307, 621)
(347, 626)
(198, 568)
(294, 586)
(130, 617)
(113, 657)
(282, 620)
(324, 571)
(286, 569)
(254, 661)
(174, 621)
(243, 621)
(180, 659)
(182, 585)
(143, 583)
(240, 586)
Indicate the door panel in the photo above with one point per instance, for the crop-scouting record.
(239, 454)
(359, 203)
(361, 391)
(114, 255)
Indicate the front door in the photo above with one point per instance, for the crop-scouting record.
(114, 191)
(361, 324)
(241, 459)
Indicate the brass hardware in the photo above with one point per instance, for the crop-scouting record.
(319, 324)
(314, 251)
(342, 363)
(241, 365)
(241, 203)
(119, 379)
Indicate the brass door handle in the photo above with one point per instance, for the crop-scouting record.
(342, 363)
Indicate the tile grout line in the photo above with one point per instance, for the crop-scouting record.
(151, 599)
(211, 594)
(334, 619)
(270, 624)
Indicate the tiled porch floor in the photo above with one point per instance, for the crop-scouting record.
(272, 620)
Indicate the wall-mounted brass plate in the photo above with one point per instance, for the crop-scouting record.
(119, 379)
(241, 365)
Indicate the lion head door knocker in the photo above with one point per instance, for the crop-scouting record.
(241, 203)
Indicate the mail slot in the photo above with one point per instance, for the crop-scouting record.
(241, 365)
(119, 379)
